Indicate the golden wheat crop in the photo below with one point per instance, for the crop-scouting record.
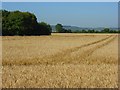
(60, 61)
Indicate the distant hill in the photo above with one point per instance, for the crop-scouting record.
(74, 28)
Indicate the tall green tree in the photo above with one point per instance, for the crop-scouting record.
(59, 28)
(23, 23)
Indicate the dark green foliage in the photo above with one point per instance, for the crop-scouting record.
(44, 28)
(118, 31)
(60, 29)
(5, 25)
(106, 30)
(0, 23)
(91, 31)
(84, 31)
(21, 23)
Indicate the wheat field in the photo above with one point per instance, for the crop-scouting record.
(60, 61)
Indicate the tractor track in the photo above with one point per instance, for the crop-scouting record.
(66, 56)
(61, 57)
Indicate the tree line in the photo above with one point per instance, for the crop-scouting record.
(23, 23)
(105, 30)
(60, 29)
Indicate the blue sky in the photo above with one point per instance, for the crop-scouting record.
(82, 14)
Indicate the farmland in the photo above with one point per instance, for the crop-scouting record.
(60, 60)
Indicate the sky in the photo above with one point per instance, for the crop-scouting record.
(81, 14)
